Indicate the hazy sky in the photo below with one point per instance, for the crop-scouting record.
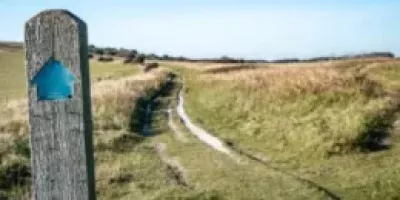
(267, 29)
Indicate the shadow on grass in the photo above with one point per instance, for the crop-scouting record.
(141, 120)
(16, 174)
(12, 176)
(377, 131)
(142, 116)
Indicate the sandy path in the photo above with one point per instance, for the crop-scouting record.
(200, 133)
(177, 133)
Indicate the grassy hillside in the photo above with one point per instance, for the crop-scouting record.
(13, 79)
(131, 166)
(333, 124)
(300, 131)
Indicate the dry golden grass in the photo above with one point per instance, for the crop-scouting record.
(113, 102)
(289, 80)
(109, 98)
(13, 117)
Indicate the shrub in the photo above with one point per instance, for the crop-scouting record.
(286, 60)
(123, 52)
(140, 59)
(132, 57)
(165, 57)
(105, 59)
(112, 53)
(150, 66)
(14, 173)
(132, 54)
(99, 51)
(128, 60)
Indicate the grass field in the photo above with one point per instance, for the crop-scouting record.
(329, 125)
(13, 78)
(333, 124)
(127, 165)
(108, 80)
(218, 176)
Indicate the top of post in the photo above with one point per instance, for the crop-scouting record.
(59, 38)
(56, 13)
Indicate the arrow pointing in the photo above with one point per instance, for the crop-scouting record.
(54, 81)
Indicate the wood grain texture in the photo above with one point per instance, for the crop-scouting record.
(60, 130)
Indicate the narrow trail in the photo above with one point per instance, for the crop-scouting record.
(200, 133)
(175, 170)
(231, 151)
(178, 135)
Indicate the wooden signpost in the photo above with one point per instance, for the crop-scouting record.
(60, 121)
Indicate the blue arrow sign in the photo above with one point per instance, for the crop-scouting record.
(54, 81)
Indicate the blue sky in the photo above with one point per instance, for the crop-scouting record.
(267, 29)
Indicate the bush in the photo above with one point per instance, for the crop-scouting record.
(165, 57)
(91, 49)
(132, 57)
(123, 52)
(150, 66)
(286, 60)
(128, 60)
(112, 53)
(140, 59)
(132, 54)
(15, 173)
(99, 51)
(105, 59)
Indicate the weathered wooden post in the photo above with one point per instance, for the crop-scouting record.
(60, 121)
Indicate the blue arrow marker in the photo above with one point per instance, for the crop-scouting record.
(54, 81)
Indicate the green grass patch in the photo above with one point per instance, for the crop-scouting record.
(319, 123)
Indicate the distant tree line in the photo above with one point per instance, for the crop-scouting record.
(133, 56)
(107, 54)
(354, 56)
(226, 59)
(129, 55)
